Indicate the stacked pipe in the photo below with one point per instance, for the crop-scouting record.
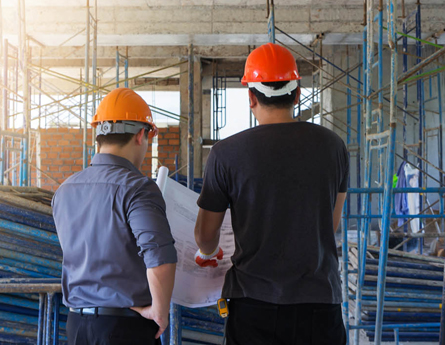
(201, 326)
(413, 293)
(29, 248)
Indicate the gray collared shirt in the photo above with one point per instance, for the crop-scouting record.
(112, 225)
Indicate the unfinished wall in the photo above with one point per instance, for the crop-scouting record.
(61, 154)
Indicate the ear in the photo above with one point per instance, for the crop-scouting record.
(297, 96)
(139, 137)
(253, 101)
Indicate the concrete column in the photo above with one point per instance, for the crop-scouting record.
(183, 127)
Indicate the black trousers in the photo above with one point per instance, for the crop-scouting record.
(110, 330)
(253, 322)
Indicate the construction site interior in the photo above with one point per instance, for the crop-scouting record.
(372, 71)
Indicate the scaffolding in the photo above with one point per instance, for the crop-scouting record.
(44, 105)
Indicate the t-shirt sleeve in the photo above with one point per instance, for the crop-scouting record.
(214, 194)
(345, 167)
(148, 222)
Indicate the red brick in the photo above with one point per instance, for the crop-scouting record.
(66, 168)
(162, 154)
(57, 175)
(76, 143)
(68, 137)
(169, 148)
(68, 162)
(65, 155)
(163, 130)
(52, 143)
(173, 142)
(76, 168)
(77, 148)
(43, 155)
(63, 143)
(76, 155)
(173, 129)
(57, 162)
(171, 136)
(79, 162)
(56, 136)
(172, 155)
(53, 155)
(54, 168)
(46, 162)
(45, 148)
(162, 142)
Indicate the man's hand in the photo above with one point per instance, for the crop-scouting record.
(205, 260)
(149, 313)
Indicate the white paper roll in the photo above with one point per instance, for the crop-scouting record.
(161, 181)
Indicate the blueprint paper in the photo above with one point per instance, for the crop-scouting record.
(194, 286)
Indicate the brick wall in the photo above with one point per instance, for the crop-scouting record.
(168, 147)
(61, 153)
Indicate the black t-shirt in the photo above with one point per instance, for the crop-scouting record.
(281, 182)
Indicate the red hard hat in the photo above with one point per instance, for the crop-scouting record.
(124, 104)
(270, 62)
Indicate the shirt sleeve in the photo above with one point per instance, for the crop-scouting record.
(345, 167)
(214, 194)
(148, 222)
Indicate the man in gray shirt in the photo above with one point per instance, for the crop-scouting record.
(118, 252)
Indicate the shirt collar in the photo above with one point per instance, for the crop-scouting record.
(109, 159)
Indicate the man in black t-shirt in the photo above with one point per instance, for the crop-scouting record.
(285, 183)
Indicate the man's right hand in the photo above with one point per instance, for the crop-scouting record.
(149, 313)
(205, 260)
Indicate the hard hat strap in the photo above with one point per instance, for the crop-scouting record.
(270, 92)
(131, 127)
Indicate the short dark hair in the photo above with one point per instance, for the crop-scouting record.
(282, 102)
(118, 139)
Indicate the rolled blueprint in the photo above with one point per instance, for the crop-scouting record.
(161, 181)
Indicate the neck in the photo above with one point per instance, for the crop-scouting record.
(125, 152)
(270, 115)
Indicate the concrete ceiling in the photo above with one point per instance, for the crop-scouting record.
(202, 22)
(158, 32)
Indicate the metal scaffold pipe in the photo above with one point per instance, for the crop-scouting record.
(87, 74)
(191, 119)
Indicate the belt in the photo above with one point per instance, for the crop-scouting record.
(106, 311)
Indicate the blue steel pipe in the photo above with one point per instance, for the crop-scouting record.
(387, 205)
(397, 190)
(41, 318)
(442, 315)
(377, 216)
(175, 325)
(49, 298)
(14, 242)
(42, 272)
(26, 258)
(344, 272)
(56, 320)
(45, 222)
(29, 232)
(398, 325)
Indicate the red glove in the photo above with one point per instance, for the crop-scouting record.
(205, 260)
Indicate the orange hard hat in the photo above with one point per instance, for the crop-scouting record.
(270, 62)
(123, 104)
